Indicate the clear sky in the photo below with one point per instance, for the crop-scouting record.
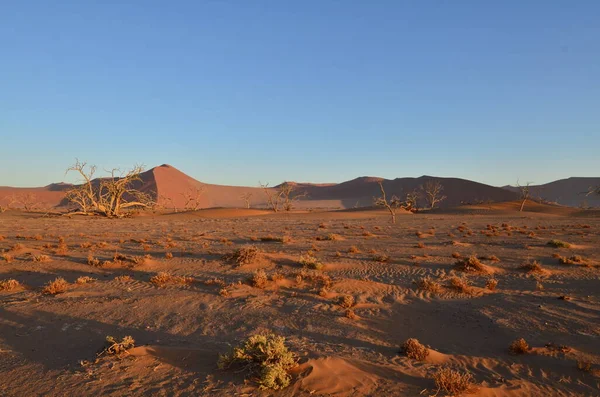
(237, 91)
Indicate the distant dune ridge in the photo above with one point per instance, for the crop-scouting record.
(570, 191)
(169, 187)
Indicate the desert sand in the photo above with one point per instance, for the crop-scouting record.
(49, 342)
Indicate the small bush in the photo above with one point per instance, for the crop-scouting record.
(572, 260)
(412, 348)
(452, 381)
(353, 250)
(163, 278)
(40, 258)
(85, 280)
(350, 314)
(93, 261)
(310, 262)
(532, 267)
(346, 301)
(471, 265)
(519, 346)
(381, 258)
(584, 366)
(559, 244)
(429, 285)
(456, 255)
(491, 284)
(460, 284)
(123, 278)
(259, 279)
(329, 237)
(115, 347)
(264, 356)
(8, 257)
(58, 286)
(9, 285)
(168, 255)
(492, 258)
(244, 255)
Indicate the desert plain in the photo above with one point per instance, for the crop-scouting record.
(345, 288)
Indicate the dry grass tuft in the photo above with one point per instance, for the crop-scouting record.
(115, 347)
(456, 255)
(244, 255)
(310, 262)
(491, 284)
(471, 265)
(8, 257)
(329, 237)
(58, 286)
(163, 278)
(259, 279)
(40, 258)
(452, 381)
(168, 255)
(519, 346)
(412, 348)
(428, 284)
(584, 366)
(346, 301)
(123, 278)
(9, 285)
(532, 267)
(85, 280)
(559, 244)
(572, 260)
(353, 250)
(381, 258)
(350, 314)
(460, 284)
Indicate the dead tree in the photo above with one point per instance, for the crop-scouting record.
(412, 201)
(433, 192)
(524, 194)
(108, 196)
(391, 205)
(246, 197)
(26, 201)
(288, 195)
(192, 198)
(273, 197)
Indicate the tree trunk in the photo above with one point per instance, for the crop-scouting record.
(522, 205)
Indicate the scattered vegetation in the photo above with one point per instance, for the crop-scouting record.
(452, 381)
(163, 278)
(57, 286)
(412, 348)
(381, 258)
(264, 356)
(572, 260)
(346, 301)
(491, 284)
(532, 267)
(559, 244)
(310, 262)
(244, 255)
(9, 284)
(428, 284)
(85, 280)
(115, 347)
(471, 265)
(519, 346)
(259, 279)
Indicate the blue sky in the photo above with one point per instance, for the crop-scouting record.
(234, 92)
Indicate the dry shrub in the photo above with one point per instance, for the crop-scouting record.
(346, 301)
(420, 245)
(259, 279)
(40, 258)
(224, 292)
(519, 346)
(93, 261)
(322, 225)
(412, 348)
(8, 257)
(271, 238)
(115, 347)
(460, 284)
(123, 278)
(168, 255)
(492, 258)
(350, 314)
(456, 255)
(429, 285)
(381, 258)
(276, 276)
(353, 250)
(559, 244)
(572, 260)
(9, 284)
(57, 286)
(244, 255)
(85, 280)
(17, 247)
(532, 267)
(584, 366)
(265, 357)
(329, 237)
(163, 278)
(140, 260)
(310, 262)
(471, 265)
(491, 284)
(453, 381)
(85, 245)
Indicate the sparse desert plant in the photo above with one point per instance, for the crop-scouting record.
(471, 265)
(244, 255)
(40, 258)
(492, 258)
(381, 258)
(259, 279)
(9, 285)
(428, 284)
(8, 257)
(346, 301)
(456, 255)
(57, 286)
(310, 262)
(353, 250)
(532, 267)
(584, 366)
(519, 346)
(168, 255)
(572, 260)
(115, 347)
(559, 244)
(93, 261)
(460, 284)
(433, 192)
(452, 381)
(412, 348)
(391, 205)
(123, 278)
(420, 245)
(264, 356)
(85, 280)
(329, 237)
(350, 314)
(491, 284)
(163, 278)
(17, 247)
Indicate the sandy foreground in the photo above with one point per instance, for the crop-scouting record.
(48, 343)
